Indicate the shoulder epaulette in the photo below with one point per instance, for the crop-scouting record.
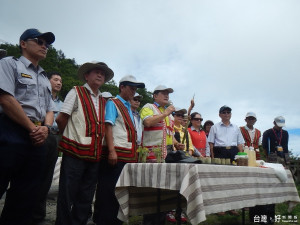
(15, 58)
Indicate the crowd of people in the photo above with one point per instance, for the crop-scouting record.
(97, 134)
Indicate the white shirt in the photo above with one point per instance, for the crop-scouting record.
(70, 104)
(252, 133)
(221, 135)
(138, 126)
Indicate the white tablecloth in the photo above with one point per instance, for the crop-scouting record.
(206, 189)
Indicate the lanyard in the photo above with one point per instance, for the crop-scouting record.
(279, 141)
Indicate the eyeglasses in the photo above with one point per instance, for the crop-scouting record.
(179, 115)
(136, 100)
(225, 112)
(198, 119)
(39, 42)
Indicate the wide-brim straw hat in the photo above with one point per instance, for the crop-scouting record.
(87, 67)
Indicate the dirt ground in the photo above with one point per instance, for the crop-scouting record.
(51, 204)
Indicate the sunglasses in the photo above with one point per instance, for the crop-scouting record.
(39, 42)
(136, 100)
(198, 119)
(225, 112)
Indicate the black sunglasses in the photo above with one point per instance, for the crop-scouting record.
(198, 119)
(225, 112)
(39, 42)
(136, 100)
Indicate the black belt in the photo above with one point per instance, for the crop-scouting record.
(225, 147)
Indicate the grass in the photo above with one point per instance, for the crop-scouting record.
(281, 209)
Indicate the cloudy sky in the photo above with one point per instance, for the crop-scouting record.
(242, 53)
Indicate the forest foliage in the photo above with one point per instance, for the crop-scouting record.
(56, 61)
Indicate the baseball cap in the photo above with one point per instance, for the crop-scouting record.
(280, 121)
(180, 110)
(224, 108)
(251, 114)
(163, 88)
(130, 80)
(137, 95)
(35, 33)
(107, 94)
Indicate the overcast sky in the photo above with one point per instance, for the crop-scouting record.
(244, 54)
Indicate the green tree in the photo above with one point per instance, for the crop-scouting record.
(56, 61)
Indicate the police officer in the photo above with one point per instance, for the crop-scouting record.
(39, 213)
(26, 116)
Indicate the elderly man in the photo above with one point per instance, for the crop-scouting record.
(252, 136)
(158, 132)
(225, 139)
(158, 123)
(121, 143)
(26, 116)
(81, 120)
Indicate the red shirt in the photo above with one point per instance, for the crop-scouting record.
(199, 140)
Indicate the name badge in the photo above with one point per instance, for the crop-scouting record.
(26, 75)
(279, 148)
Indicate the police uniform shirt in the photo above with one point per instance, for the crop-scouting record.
(28, 85)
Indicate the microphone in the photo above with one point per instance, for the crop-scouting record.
(170, 103)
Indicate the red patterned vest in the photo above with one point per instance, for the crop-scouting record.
(84, 132)
(255, 142)
(124, 133)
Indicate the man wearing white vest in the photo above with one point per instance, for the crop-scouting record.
(158, 123)
(121, 140)
(81, 119)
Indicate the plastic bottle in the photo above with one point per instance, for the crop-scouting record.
(252, 157)
(246, 150)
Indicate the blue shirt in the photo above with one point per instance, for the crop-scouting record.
(111, 113)
(58, 103)
(155, 103)
(221, 135)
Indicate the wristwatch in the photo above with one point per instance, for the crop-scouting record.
(49, 128)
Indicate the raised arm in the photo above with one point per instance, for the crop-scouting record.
(152, 120)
